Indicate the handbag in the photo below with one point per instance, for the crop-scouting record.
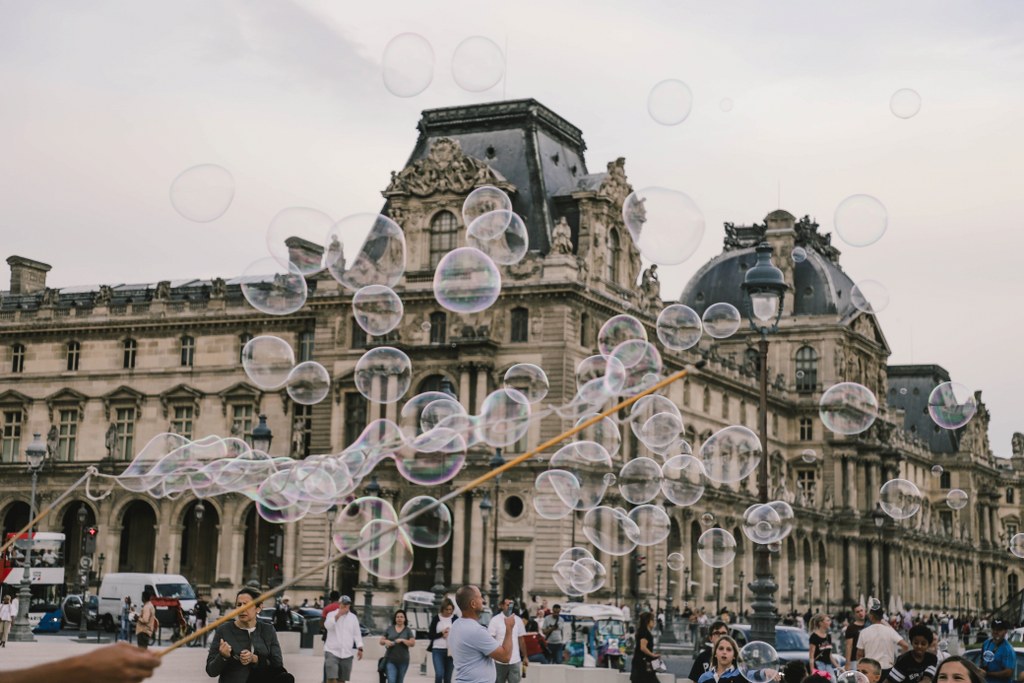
(382, 665)
(655, 665)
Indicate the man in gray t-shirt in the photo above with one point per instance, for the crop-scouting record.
(470, 646)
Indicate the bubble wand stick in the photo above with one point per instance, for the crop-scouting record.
(465, 488)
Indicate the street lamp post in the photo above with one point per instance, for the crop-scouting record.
(495, 462)
(792, 594)
(485, 516)
(718, 592)
(763, 287)
(83, 573)
(828, 597)
(332, 512)
(669, 632)
(99, 574)
(262, 437)
(35, 454)
(944, 591)
(743, 587)
(810, 593)
(167, 561)
(657, 588)
(615, 575)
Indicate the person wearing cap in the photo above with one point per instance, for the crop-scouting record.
(1000, 669)
(879, 641)
(344, 642)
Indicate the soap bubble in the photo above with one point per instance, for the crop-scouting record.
(716, 548)
(202, 193)
(604, 432)
(758, 662)
(679, 327)
(478, 64)
(433, 457)
(869, 296)
(655, 420)
(670, 102)
(957, 499)
(610, 530)
(272, 288)
(588, 462)
(851, 677)
(808, 455)
(267, 361)
(365, 249)
(353, 518)
(556, 493)
(430, 529)
(407, 65)
(466, 281)
(726, 104)
(411, 420)
(707, 519)
(501, 235)
(297, 227)
(562, 573)
(640, 480)
(588, 575)
(721, 320)
(799, 255)
(899, 498)
(768, 523)
(610, 479)
(666, 225)
(308, 383)
(951, 405)
(641, 364)
(383, 374)
(905, 103)
(1017, 545)
(575, 553)
(527, 380)
(396, 561)
(731, 454)
(937, 470)
(485, 199)
(988, 656)
(377, 309)
(504, 418)
(598, 378)
(682, 479)
(675, 561)
(619, 329)
(848, 408)
(652, 523)
(861, 220)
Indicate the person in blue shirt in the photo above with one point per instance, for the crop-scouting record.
(723, 663)
(998, 666)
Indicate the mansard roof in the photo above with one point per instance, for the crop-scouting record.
(909, 388)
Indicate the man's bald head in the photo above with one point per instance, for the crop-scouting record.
(464, 597)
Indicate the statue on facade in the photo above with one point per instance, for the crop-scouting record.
(298, 437)
(561, 237)
(650, 288)
(827, 503)
(163, 290)
(218, 288)
(105, 294)
(52, 439)
(110, 441)
(1017, 443)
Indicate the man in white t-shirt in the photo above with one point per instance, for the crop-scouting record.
(470, 646)
(509, 673)
(879, 642)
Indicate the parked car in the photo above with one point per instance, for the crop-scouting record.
(974, 654)
(792, 643)
(295, 622)
(71, 609)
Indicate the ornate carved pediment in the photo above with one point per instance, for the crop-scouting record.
(445, 169)
(180, 394)
(241, 392)
(125, 395)
(615, 186)
(866, 326)
(12, 397)
(807, 235)
(65, 397)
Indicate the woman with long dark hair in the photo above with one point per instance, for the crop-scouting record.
(398, 638)
(643, 652)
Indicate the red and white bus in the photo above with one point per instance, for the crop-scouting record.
(46, 572)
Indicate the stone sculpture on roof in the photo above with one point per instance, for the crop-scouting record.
(445, 169)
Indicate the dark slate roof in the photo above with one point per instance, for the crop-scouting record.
(820, 285)
(909, 388)
(534, 148)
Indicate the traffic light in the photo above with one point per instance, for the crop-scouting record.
(90, 540)
(641, 564)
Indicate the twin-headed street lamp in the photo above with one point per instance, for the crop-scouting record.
(35, 454)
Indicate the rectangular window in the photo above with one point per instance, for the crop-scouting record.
(18, 358)
(806, 429)
(74, 353)
(305, 346)
(124, 423)
(182, 422)
(1011, 529)
(946, 519)
(131, 347)
(67, 435)
(438, 328)
(355, 416)
(358, 335)
(775, 423)
(241, 421)
(243, 339)
(188, 351)
(725, 406)
(10, 449)
(807, 487)
(520, 325)
(302, 430)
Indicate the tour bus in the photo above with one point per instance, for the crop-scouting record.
(46, 572)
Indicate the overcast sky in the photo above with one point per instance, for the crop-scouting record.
(104, 103)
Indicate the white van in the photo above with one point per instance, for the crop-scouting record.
(116, 586)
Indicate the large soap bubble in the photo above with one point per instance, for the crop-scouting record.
(758, 662)
(655, 420)
(383, 374)
(610, 530)
(639, 480)
(296, 236)
(604, 432)
(588, 462)
(670, 102)
(267, 361)
(869, 296)
(501, 235)
(716, 548)
(432, 527)
(365, 249)
(900, 498)
(652, 522)
(679, 327)
(861, 220)
(485, 199)
(951, 405)
(667, 226)
(768, 523)
(848, 408)
(466, 281)
(504, 418)
(682, 479)
(675, 561)
(272, 288)
(478, 64)
(905, 103)
(618, 329)
(407, 65)
(641, 363)
(528, 380)
(203, 193)
(957, 499)
(556, 493)
(1017, 545)
(308, 383)
(731, 454)
(721, 320)
(433, 457)
(377, 309)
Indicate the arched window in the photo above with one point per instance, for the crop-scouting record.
(130, 348)
(443, 232)
(520, 325)
(806, 370)
(74, 354)
(614, 252)
(188, 351)
(438, 327)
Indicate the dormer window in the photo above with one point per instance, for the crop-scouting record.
(443, 233)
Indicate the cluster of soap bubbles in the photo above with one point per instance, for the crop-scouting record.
(577, 573)
(407, 65)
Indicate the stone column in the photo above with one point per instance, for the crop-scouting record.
(464, 387)
(289, 559)
(236, 562)
(373, 409)
(481, 386)
(458, 540)
(174, 549)
(476, 542)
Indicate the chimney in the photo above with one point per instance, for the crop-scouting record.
(27, 276)
(780, 232)
(306, 256)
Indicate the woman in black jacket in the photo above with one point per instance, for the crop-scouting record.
(438, 645)
(246, 650)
